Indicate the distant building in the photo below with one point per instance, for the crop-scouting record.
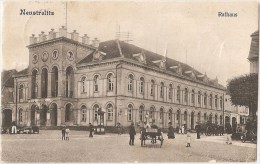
(69, 79)
(7, 96)
(253, 56)
(235, 114)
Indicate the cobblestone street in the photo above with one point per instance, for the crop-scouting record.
(48, 147)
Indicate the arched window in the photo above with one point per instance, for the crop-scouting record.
(109, 112)
(84, 113)
(34, 92)
(95, 110)
(205, 117)
(210, 100)
(170, 91)
(193, 97)
(185, 117)
(162, 90)
(152, 114)
(95, 80)
(68, 113)
(178, 118)
(186, 95)
(44, 82)
(216, 101)
(21, 92)
(179, 94)
(20, 115)
(141, 85)
(83, 84)
(205, 99)
(198, 117)
(54, 82)
(199, 98)
(69, 82)
(152, 87)
(110, 83)
(216, 119)
(220, 102)
(141, 113)
(130, 112)
(161, 114)
(130, 83)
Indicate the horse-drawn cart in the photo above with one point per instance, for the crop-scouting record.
(154, 135)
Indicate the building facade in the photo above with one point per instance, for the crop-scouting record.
(253, 56)
(235, 114)
(69, 79)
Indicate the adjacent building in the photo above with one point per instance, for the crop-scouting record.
(70, 78)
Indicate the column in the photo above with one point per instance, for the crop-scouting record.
(48, 118)
(79, 116)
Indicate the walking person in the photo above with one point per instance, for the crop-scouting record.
(91, 129)
(67, 131)
(132, 134)
(170, 131)
(63, 133)
(118, 127)
(182, 129)
(188, 139)
(229, 133)
(198, 129)
(14, 130)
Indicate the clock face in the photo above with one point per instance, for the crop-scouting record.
(35, 58)
(70, 55)
(55, 54)
(45, 56)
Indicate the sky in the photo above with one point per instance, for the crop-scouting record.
(191, 31)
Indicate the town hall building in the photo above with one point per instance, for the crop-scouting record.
(70, 78)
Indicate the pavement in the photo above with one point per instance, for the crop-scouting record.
(48, 147)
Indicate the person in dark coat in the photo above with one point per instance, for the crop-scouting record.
(91, 129)
(170, 131)
(63, 133)
(229, 133)
(198, 130)
(132, 134)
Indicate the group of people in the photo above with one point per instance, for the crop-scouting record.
(182, 129)
(147, 126)
(65, 132)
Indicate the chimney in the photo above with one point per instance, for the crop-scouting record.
(85, 39)
(63, 31)
(95, 43)
(33, 39)
(42, 37)
(75, 35)
(52, 34)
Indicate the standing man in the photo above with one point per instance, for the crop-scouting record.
(170, 131)
(132, 134)
(63, 133)
(229, 133)
(197, 127)
(90, 130)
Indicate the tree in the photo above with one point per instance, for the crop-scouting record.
(243, 91)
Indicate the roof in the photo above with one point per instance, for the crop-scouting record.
(22, 72)
(254, 48)
(112, 49)
(7, 79)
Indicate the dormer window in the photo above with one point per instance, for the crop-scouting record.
(140, 57)
(98, 55)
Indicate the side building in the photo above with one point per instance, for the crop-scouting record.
(69, 80)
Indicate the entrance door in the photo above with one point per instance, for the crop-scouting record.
(7, 118)
(43, 115)
(53, 114)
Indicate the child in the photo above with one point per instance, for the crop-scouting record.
(188, 139)
(67, 131)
